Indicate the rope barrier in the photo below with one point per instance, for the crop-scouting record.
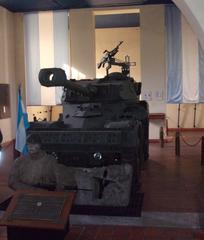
(189, 144)
(172, 139)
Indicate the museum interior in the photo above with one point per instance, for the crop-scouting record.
(110, 93)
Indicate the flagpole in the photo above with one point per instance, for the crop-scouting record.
(179, 110)
(177, 137)
(1, 139)
(194, 115)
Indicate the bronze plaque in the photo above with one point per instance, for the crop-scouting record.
(38, 208)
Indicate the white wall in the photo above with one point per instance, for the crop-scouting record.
(153, 64)
(19, 53)
(82, 43)
(8, 24)
(193, 11)
(186, 115)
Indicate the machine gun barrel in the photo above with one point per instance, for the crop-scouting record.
(56, 77)
(115, 50)
(109, 55)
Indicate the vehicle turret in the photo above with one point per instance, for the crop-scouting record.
(56, 77)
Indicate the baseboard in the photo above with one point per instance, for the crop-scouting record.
(154, 141)
(166, 140)
(6, 144)
(185, 129)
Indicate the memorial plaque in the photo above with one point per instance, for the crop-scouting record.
(38, 215)
(38, 208)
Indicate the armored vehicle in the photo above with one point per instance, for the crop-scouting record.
(102, 132)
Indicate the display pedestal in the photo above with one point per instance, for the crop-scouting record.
(38, 215)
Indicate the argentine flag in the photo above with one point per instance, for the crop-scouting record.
(22, 125)
(185, 60)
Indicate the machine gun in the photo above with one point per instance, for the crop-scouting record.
(109, 55)
(110, 60)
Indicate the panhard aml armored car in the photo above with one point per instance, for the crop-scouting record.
(102, 134)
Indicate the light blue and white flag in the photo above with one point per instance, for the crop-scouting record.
(52, 28)
(185, 60)
(22, 125)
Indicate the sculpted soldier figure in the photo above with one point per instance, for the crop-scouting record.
(38, 170)
(108, 185)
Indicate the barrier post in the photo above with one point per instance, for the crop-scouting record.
(202, 150)
(1, 139)
(177, 144)
(16, 153)
(161, 136)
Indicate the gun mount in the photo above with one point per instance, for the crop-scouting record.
(103, 128)
(109, 59)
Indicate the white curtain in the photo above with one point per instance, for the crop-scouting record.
(46, 45)
(185, 60)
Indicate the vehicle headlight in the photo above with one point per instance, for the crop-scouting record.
(97, 156)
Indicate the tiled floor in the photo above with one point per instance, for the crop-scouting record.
(174, 184)
(130, 233)
(171, 184)
(125, 233)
